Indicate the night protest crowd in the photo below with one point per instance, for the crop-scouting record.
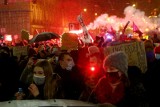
(48, 72)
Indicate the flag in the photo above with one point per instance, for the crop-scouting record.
(125, 27)
(136, 29)
(112, 30)
(123, 36)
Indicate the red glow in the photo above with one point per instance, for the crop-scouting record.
(15, 36)
(95, 14)
(85, 10)
(92, 69)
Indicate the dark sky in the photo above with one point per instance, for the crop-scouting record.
(116, 7)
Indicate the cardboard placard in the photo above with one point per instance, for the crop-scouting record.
(69, 41)
(25, 34)
(20, 50)
(135, 52)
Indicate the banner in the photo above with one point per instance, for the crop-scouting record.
(87, 37)
(135, 52)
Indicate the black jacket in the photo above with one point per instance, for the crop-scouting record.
(72, 82)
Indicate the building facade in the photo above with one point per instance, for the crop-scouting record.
(35, 17)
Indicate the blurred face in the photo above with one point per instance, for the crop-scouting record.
(110, 69)
(38, 77)
(54, 50)
(93, 61)
(67, 61)
(38, 71)
(91, 81)
(42, 55)
(113, 74)
(93, 76)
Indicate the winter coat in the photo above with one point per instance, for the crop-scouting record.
(105, 93)
(72, 82)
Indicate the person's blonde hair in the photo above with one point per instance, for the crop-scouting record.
(50, 86)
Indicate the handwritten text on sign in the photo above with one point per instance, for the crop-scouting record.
(134, 50)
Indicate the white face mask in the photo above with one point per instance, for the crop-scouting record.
(70, 65)
(54, 50)
(56, 59)
(157, 56)
(39, 80)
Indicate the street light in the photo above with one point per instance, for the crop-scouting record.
(95, 14)
(85, 10)
(134, 5)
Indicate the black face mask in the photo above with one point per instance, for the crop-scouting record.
(113, 77)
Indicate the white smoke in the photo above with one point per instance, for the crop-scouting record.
(132, 14)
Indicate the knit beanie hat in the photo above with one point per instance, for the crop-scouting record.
(118, 60)
(157, 50)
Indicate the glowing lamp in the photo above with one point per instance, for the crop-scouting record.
(8, 37)
(134, 5)
(85, 10)
(92, 69)
(109, 37)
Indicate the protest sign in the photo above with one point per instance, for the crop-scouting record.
(69, 41)
(20, 50)
(135, 52)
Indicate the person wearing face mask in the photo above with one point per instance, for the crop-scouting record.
(111, 87)
(93, 71)
(157, 52)
(72, 82)
(45, 85)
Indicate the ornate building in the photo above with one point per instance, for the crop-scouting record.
(36, 16)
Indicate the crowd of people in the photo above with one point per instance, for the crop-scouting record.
(86, 74)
